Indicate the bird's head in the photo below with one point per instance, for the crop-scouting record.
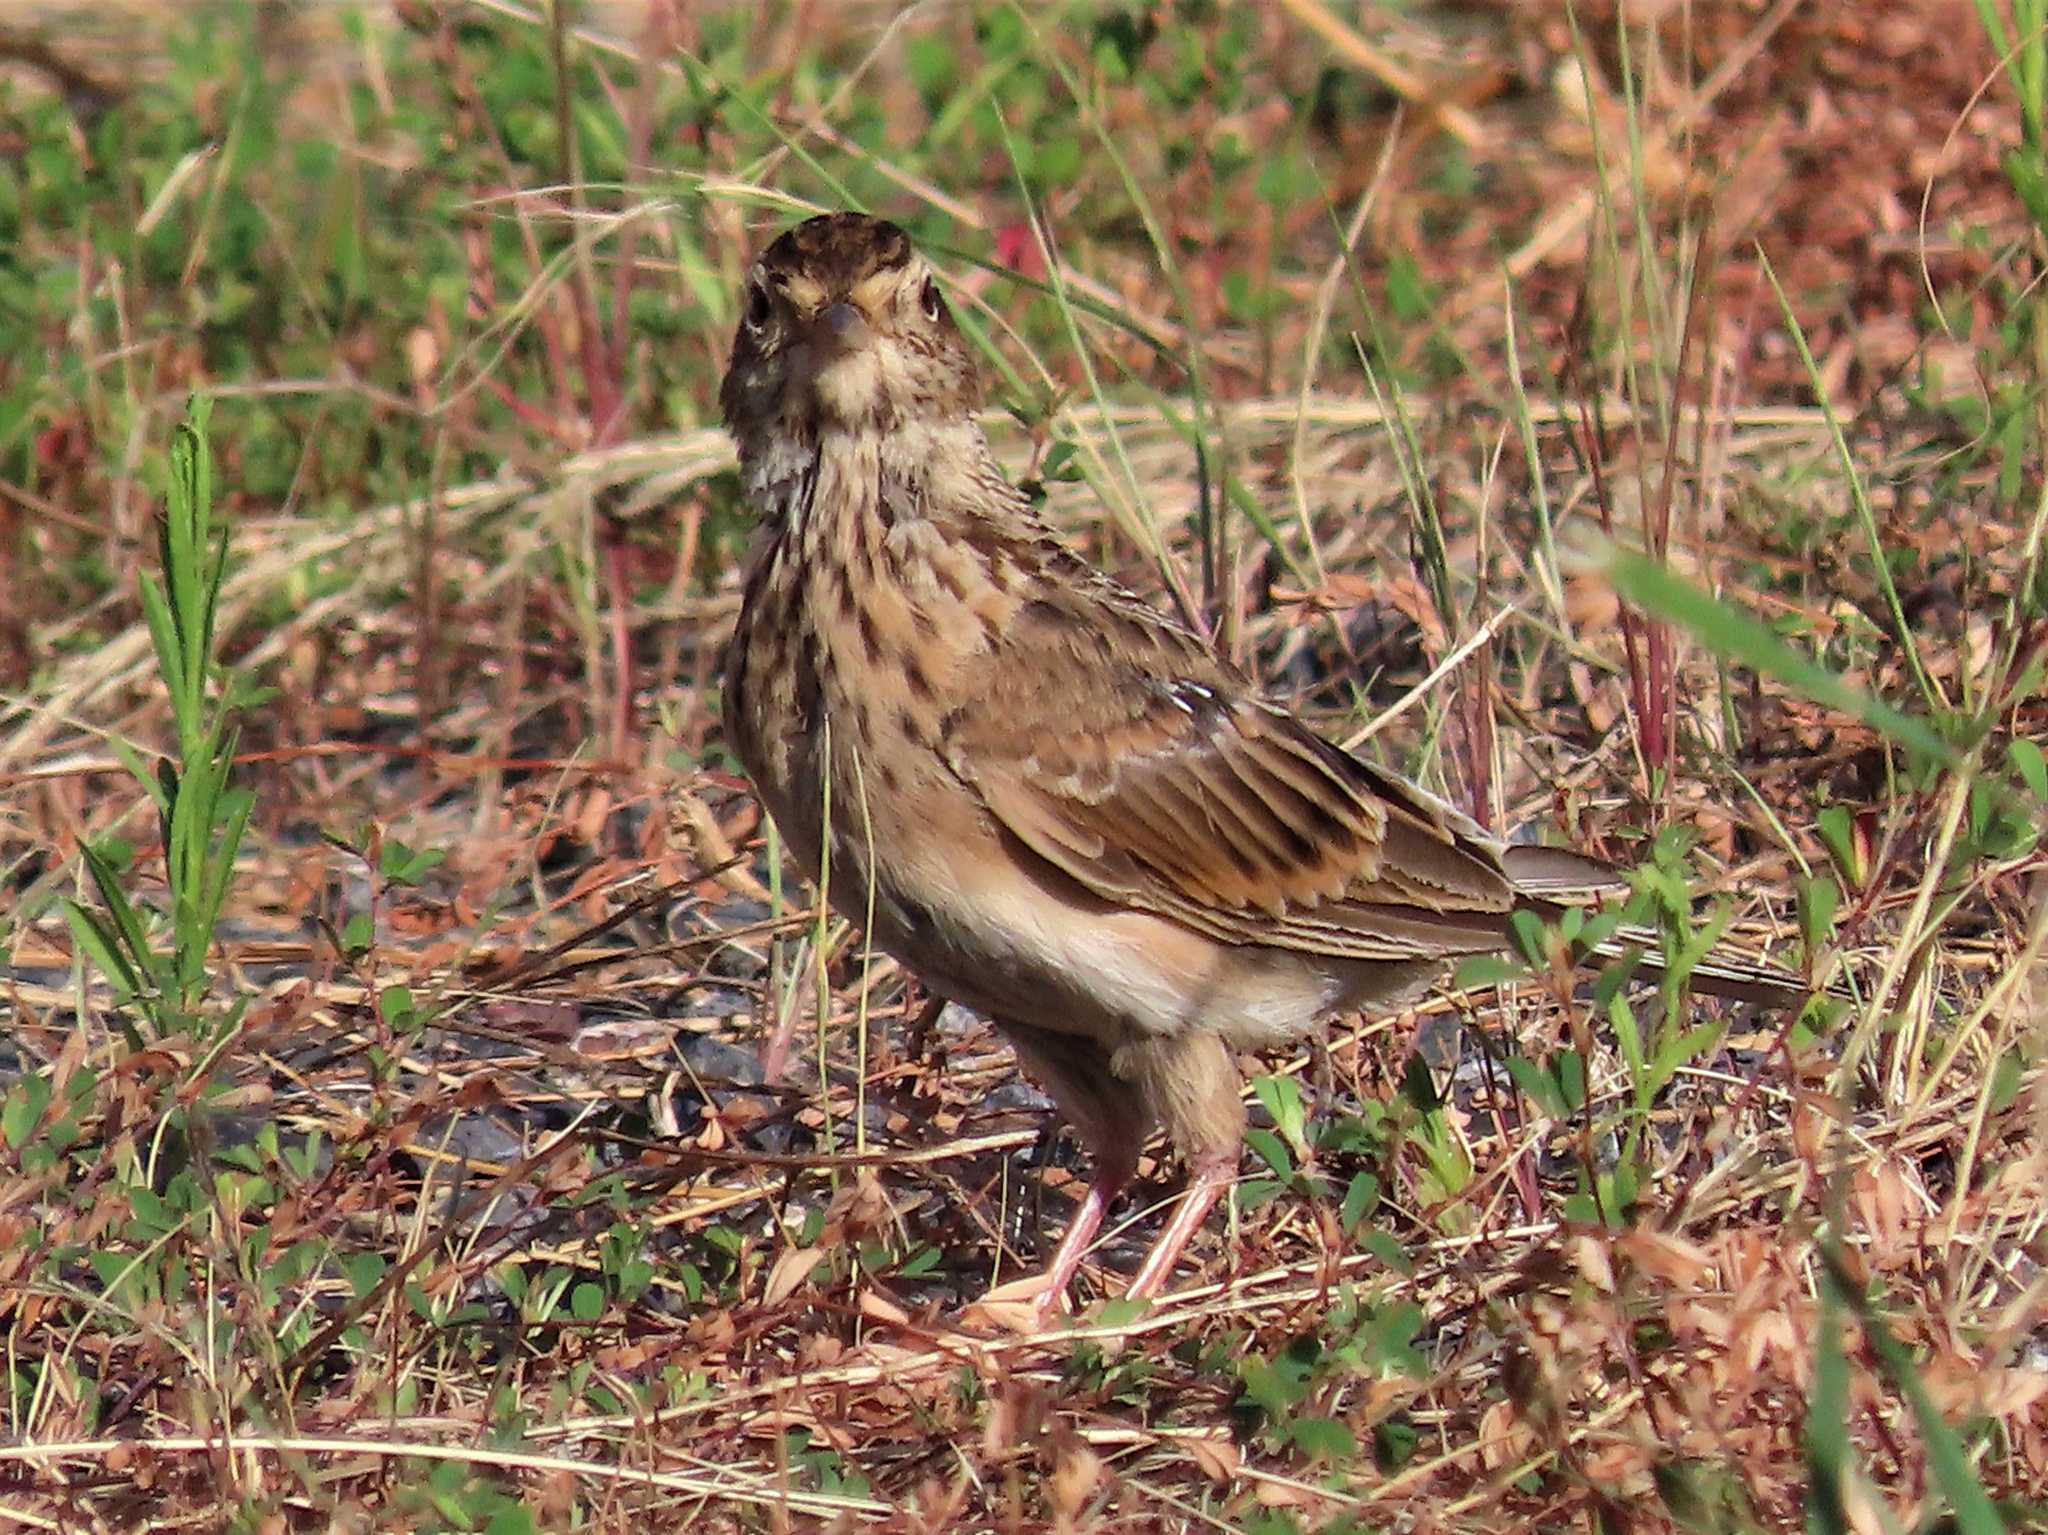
(842, 329)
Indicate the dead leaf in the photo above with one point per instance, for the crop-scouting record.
(789, 1271)
(1667, 1257)
(1218, 1458)
(879, 1308)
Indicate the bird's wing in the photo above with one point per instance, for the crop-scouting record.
(1112, 744)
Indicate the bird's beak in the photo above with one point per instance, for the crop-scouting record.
(841, 328)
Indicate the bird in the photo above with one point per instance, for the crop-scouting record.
(1047, 797)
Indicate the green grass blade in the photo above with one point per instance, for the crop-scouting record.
(1735, 636)
(1828, 1460)
(1974, 1511)
(125, 924)
(161, 615)
(102, 945)
(1865, 514)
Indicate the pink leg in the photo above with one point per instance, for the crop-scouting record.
(1111, 1174)
(1211, 1174)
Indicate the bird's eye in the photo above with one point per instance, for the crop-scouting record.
(934, 306)
(757, 307)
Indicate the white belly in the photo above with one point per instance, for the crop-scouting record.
(986, 933)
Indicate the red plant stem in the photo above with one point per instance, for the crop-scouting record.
(1595, 438)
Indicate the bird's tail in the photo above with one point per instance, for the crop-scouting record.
(1724, 972)
(1551, 876)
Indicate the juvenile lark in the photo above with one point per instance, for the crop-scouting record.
(1068, 813)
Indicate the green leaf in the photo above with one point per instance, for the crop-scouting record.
(1361, 1198)
(1056, 163)
(1322, 1439)
(152, 1213)
(1383, 1246)
(2028, 763)
(170, 654)
(931, 64)
(363, 1271)
(141, 772)
(357, 933)
(22, 1110)
(1277, 1386)
(1538, 1085)
(1582, 1209)
(1525, 929)
(1271, 1150)
(118, 1273)
(511, 1519)
(2007, 1073)
(1569, 1067)
(1409, 296)
(1391, 1340)
(1819, 899)
(1121, 1311)
(1394, 1441)
(97, 940)
(395, 1005)
(1281, 1096)
(1418, 1086)
(1837, 829)
(1628, 1038)
(403, 865)
(122, 924)
(1480, 972)
(236, 807)
(1681, 1049)
(1062, 463)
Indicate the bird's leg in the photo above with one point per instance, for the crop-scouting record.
(1209, 1175)
(1111, 1174)
(1191, 1082)
(1111, 1120)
